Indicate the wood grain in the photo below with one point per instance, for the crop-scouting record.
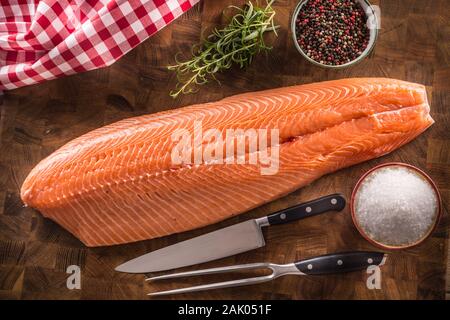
(414, 45)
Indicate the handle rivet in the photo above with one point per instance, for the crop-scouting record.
(369, 261)
(282, 216)
(333, 201)
(308, 209)
(310, 266)
(339, 262)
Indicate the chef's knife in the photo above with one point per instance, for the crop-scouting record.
(228, 241)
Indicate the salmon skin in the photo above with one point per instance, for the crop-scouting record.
(118, 184)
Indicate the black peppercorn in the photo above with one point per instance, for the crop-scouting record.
(332, 32)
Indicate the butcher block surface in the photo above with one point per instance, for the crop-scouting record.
(413, 45)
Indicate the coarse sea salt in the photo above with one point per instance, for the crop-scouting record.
(396, 206)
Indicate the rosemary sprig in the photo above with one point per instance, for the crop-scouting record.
(237, 43)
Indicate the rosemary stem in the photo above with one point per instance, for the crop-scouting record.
(235, 44)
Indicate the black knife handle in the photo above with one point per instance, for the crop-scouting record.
(340, 262)
(332, 202)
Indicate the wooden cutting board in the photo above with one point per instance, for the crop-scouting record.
(36, 120)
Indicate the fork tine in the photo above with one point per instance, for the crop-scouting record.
(210, 271)
(218, 285)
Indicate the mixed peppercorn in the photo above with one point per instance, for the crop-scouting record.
(332, 32)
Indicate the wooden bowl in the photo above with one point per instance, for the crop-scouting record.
(417, 171)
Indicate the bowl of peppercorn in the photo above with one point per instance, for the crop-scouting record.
(334, 33)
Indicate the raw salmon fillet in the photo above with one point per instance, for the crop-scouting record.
(118, 184)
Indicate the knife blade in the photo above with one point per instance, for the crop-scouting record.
(238, 238)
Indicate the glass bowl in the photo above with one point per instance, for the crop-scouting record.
(370, 14)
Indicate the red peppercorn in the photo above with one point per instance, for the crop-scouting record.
(333, 31)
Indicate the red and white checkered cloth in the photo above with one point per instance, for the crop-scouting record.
(46, 39)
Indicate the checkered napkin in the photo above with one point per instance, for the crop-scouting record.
(46, 39)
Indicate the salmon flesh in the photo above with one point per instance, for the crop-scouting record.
(125, 182)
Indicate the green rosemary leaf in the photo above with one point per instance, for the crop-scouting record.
(237, 43)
